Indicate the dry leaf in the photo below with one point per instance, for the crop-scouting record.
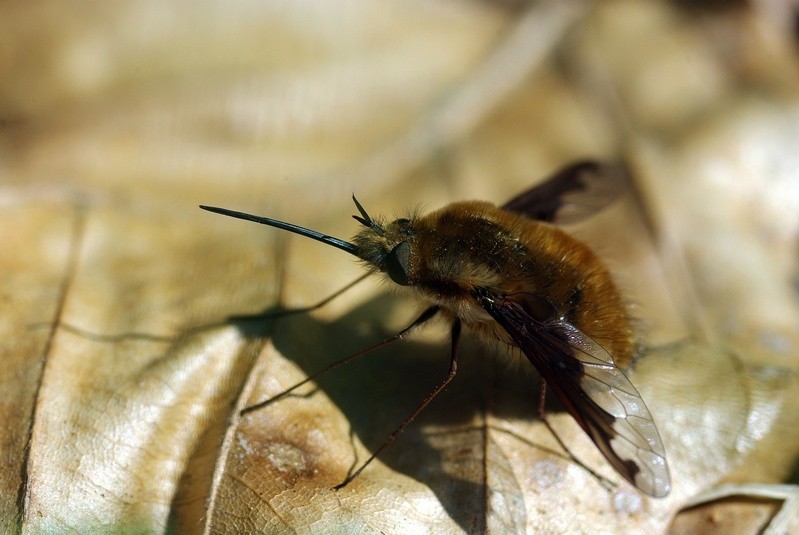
(124, 371)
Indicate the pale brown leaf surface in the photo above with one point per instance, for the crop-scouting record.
(123, 376)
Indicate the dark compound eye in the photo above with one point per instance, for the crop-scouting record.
(395, 264)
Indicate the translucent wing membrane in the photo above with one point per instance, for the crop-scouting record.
(592, 388)
(573, 193)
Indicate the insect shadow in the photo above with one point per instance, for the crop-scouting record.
(444, 447)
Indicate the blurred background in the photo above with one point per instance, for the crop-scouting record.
(121, 376)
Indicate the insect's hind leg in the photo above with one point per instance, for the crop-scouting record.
(542, 415)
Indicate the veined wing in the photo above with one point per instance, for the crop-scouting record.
(573, 193)
(592, 388)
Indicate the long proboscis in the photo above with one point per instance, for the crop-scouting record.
(296, 229)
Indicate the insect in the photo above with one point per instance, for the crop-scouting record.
(510, 274)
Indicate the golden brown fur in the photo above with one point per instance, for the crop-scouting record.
(473, 244)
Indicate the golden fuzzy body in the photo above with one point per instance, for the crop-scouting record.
(509, 274)
(471, 244)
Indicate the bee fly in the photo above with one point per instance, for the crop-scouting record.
(510, 274)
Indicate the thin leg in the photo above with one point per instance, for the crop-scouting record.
(453, 367)
(300, 310)
(422, 319)
(542, 414)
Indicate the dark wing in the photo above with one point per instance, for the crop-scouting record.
(593, 389)
(573, 193)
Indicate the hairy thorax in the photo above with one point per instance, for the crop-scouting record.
(470, 245)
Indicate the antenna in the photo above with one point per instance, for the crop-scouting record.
(364, 218)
